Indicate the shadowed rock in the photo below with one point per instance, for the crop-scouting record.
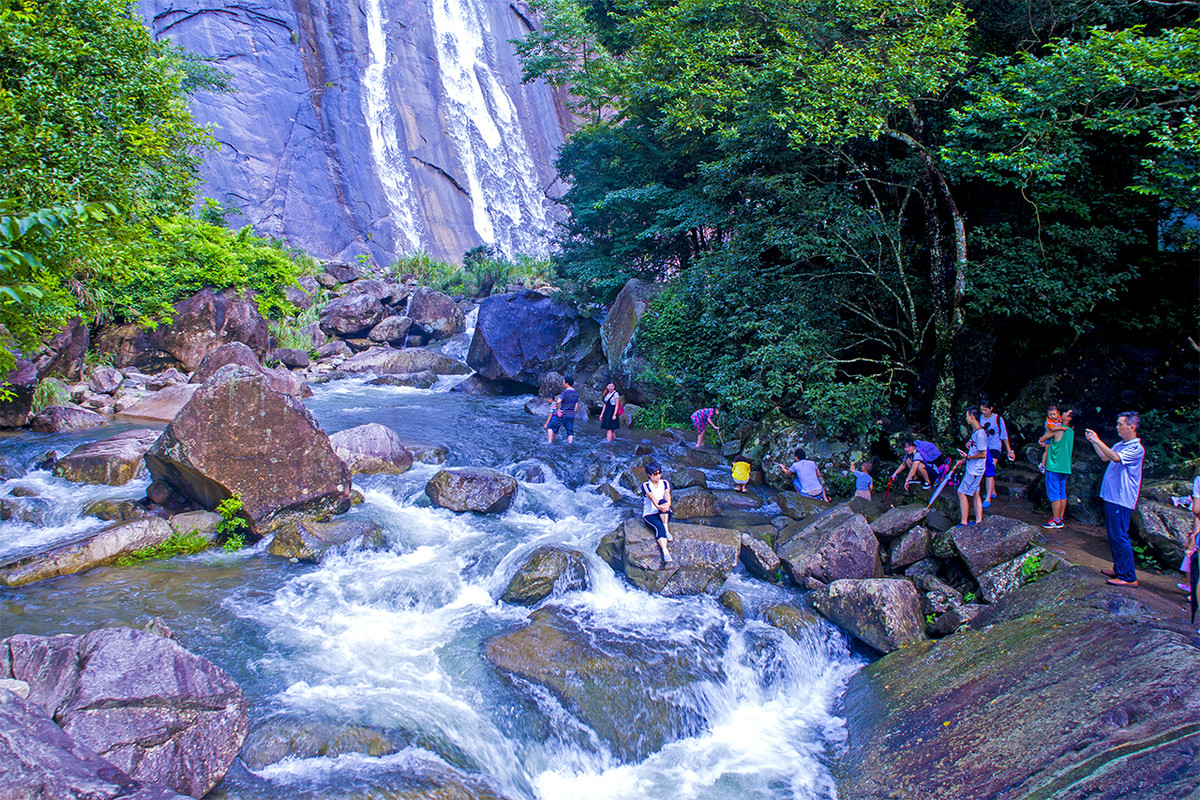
(372, 449)
(882, 612)
(237, 353)
(797, 506)
(897, 521)
(21, 382)
(1065, 688)
(758, 558)
(626, 362)
(106, 380)
(485, 491)
(239, 436)
(63, 356)
(1026, 568)
(114, 461)
(1164, 528)
(703, 558)
(392, 330)
(520, 336)
(415, 380)
(97, 549)
(911, 548)
(992, 542)
(547, 570)
(140, 701)
(435, 315)
(64, 419)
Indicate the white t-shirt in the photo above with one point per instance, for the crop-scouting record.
(656, 490)
(1196, 487)
(998, 430)
(978, 444)
(806, 472)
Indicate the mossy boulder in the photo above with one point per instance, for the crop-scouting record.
(547, 570)
(884, 613)
(1065, 688)
(306, 539)
(114, 461)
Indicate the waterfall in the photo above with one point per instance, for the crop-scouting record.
(392, 163)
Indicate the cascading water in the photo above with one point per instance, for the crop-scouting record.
(392, 641)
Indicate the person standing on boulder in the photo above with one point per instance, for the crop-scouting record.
(656, 507)
(563, 414)
(1119, 490)
(997, 434)
(610, 415)
(975, 458)
(1058, 467)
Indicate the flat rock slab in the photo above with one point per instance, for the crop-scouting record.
(114, 461)
(621, 687)
(797, 506)
(897, 521)
(384, 361)
(992, 542)
(703, 558)
(64, 419)
(1066, 688)
(164, 404)
(884, 613)
(140, 701)
(739, 501)
(484, 491)
(95, 550)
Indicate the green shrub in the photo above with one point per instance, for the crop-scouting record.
(50, 392)
(434, 273)
(233, 524)
(289, 332)
(178, 544)
(1031, 567)
(839, 485)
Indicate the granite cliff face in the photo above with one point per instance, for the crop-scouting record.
(379, 127)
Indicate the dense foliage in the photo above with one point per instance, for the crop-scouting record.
(866, 201)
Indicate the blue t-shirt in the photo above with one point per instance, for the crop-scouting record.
(979, 444)
(862, 481)
(1123, 479)
(568, 400)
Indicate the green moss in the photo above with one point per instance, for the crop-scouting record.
(178, 544)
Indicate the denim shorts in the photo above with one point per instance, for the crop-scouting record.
(1056, 485)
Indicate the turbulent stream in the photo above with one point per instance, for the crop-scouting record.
(392, 640)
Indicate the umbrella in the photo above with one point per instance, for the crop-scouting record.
(1194, 578)
(941, 485)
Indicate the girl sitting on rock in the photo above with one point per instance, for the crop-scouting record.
(656, 507)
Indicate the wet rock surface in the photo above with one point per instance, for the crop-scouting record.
(1065, 688)
(114, 461)
(485, 491)
(884, 613)
(143, 703)
(309, 540)
(622, 687)
(238, 436)
(95, 549)
(547, 571)
(64, 419)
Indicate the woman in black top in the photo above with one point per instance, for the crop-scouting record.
(610, 420)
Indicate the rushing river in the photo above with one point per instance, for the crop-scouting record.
(392, 640)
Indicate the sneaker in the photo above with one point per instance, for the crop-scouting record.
(1049, 524)
(926, 486)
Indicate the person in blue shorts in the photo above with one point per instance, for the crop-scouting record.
(1058, 468)
(975, 458)
(562, 416)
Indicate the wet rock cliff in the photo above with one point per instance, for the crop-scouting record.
(379, 127)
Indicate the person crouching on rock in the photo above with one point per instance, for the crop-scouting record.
(806, 478)
(563, 414)
(656, 507)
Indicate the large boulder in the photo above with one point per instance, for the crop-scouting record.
(1028, 567)
(105, 380)
(237, 436)
(910, 548)
(834, 545)
(425, 379)
(623, 687)
(485, 491)
(63, 355)
(39, 760)
(64, 419)
(386, 361)
(281, 380)
(435, 315)
(199, 325)
(992, 542)
(759, 559)
(351, 315)
(693, 502)
(884, 613)
(392, 330)
(114, 461)
(520, 336)
(94, 550)
(372, 449)
(618, 336)
(1065, 688)
(702, 556)
(1164, 528)
(547, 570)
(305, 539)
(20, 383)
(797, 506)
(160, 406)
(898, 521)
(157, 712)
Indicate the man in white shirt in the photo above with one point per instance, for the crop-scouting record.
(1119, 491)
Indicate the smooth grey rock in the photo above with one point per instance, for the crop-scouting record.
(385, 361)
(837, 544)
(993, 541)
(372, 449)
(897, 521)
(703, 557)
(163, 405)
(414, 380)
(485, 491)
(392, 330)
(97, 549)
(291, 357)
(64, 419)
(435, 315)
(737, 501)
(114, 510)
(687, 477)
(548, 570)
(157, 712)
(882, 612)
(105, 380)
(626, 361)
(238, 436)
(797, 506)
(204, 523)
(911, 548)
(351, 315)
(114, 461)
(334, 349)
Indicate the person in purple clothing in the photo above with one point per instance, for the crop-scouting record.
(1119, 491)
(922, 459)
